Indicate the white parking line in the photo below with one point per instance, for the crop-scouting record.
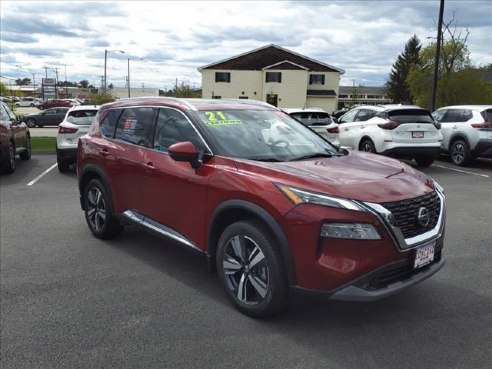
(461, 171)
(41, 175)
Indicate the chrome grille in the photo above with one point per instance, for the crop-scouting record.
(406, 212)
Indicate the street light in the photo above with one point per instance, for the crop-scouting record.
(106, 62)
(129, 73)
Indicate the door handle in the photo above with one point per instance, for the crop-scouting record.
(346, 129)
(104, 152)
(149, 166)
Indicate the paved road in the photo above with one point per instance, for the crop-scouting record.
(69, 300)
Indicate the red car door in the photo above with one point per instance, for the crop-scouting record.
(175, 194)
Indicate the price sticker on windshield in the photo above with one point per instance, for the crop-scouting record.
(218, 118)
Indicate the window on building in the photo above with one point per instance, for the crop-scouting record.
(273, 77)
(317, 79)
(343, 96)
(223, 77)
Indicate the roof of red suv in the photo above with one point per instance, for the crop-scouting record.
(192, 104)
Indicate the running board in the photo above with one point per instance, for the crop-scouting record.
(158, 228)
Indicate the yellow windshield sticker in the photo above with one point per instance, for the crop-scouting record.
(217, 118)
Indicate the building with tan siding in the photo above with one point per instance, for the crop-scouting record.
(275, 75)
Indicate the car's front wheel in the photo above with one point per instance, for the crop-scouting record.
(99, 211)
(367, 146)
(460, 152)
(250, 267)
(31, 123)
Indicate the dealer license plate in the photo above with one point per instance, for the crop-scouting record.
(424, 255)
(417, 134)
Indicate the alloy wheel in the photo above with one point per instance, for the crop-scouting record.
(246, 270)
(458, 153)
(96, 209)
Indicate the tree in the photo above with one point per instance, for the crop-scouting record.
(4, 91)
(183, 89)
(101, 98)
(23, 81)
(84, 83)
(397, 87)
(459, 81)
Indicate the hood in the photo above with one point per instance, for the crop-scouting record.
(358, 176)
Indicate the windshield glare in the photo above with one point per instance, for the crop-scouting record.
(263, 135)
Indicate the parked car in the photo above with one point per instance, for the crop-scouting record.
(54, 103)
(269, 210)
(318, 120)
(75, 124)
(28, 102)
(14, 139)
(48, 117)
(402, 131)
(466, 131)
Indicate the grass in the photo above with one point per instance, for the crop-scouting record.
(43, 144)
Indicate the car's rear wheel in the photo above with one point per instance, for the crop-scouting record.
(26, 154)
(99, 211)
(424, 161)
(251, 269)
(367, 146)
(31, 123)
(460, 152)
(63, 165)
(8, 162)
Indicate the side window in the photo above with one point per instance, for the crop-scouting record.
(136, 126)
(5, 115)
(108, 125)
(454, 115)
(363, 115)
(348, 116)
(467, 115)
(438, 115)
(172, 126)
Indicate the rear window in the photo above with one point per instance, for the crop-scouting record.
(411, 116)
(487, 115)
(82, 117)
(313, 119)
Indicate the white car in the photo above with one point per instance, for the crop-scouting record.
(26, 102)
(75, 124)
(318, 120)
(466, 131)
(402, 131)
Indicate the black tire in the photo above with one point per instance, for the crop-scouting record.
(98, 211)
(460, 152)
(251, 269)
(31, 123)
(8, 161)
(63, 165)
(31, 105)
(26, 154)
(424, 161)
(367, 146)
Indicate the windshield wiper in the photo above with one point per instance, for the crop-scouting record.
(268, 160)
(316, 155)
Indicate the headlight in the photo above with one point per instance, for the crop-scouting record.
(298, 196)
(352, 231)
(437, 186)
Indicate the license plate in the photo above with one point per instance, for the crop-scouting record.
(424, 255)
(417, 134)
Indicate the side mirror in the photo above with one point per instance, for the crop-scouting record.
(185, 151)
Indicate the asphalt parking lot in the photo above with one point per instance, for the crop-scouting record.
(69, 300)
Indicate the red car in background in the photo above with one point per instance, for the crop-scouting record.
(271, 204)
(54, 103)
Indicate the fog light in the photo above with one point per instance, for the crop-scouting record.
(354, 231)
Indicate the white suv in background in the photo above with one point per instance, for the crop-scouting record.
(318, 120)
(75, 124)
(402, 131)
(466, 131)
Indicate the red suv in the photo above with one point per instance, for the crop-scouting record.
(270, 203)
(54, 104)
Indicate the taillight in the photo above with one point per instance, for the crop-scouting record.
(390, 125)
(482, 125)
(62, 129)
(333, 130)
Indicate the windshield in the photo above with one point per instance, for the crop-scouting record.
(81, 117)
(411, 116)
(263, 135)
(312, 118)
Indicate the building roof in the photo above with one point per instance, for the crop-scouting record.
(268, 56)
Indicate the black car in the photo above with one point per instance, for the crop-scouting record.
(49, 117)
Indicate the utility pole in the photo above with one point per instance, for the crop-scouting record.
(438, 53)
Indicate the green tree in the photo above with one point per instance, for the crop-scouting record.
(100, 98)
(459, 81)
(23, 81)
(4, 90)
(397, 87)
(183, 89)
(84, 83)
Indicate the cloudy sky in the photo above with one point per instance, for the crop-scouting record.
(175, 38)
